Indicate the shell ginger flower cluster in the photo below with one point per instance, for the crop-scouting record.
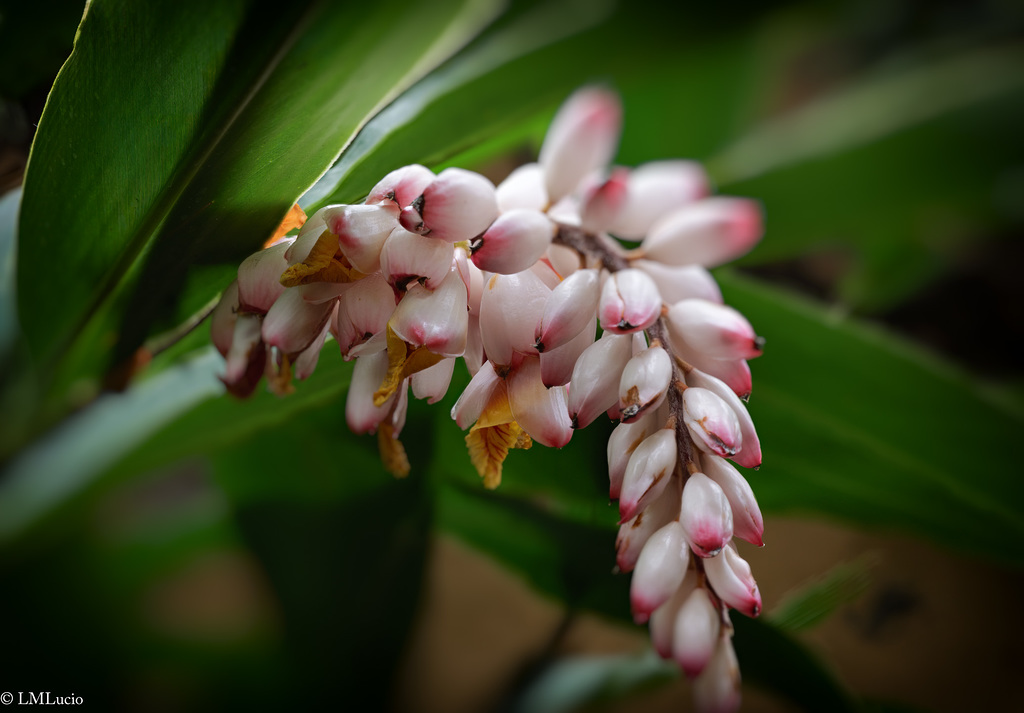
(516, 280)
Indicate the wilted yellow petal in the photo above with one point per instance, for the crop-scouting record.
(280, 382)
(497, 411)
(402, 364)
(321, 265)
(489, 446)
(392, 452)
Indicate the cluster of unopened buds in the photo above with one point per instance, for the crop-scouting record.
(515, 280)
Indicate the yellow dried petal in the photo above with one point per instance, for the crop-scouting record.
(497, 411)
(321, 265)
(392, 452)
(402, 364)
(280, 382)
(488, 448)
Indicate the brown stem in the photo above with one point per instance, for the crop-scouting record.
(591, 245)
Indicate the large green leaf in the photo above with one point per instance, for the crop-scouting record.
(857, 424)
(66, 462)
(181, 412)
(8, 257)
(178, 134)
(893, 176)
(484, 92)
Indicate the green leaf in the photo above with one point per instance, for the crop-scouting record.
(572, 683)
(813, 602)
(182, 411)
(8, 258)
(857, 424)
(892, 178)
(776, 662)
(178, 134)
(59, 467)
(487, 90)
(870, 109)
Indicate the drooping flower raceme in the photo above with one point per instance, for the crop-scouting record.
(558, 323)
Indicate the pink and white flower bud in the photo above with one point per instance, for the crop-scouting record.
(633, 535)
(604, 202)
(222, 321)
(363, 310)
(571, 306)
(259, 278)
(245, 353)
(542, 412)
(663, 619)
(377, 343)
(472, 277)
(697, 627)
(730, 577)
(630, 302)
(706, 515)
(583, 136)
(717, 331)
(292, 324)
(401, 409)
(639, 342)
(432, 383)
(625, 439)
(735, 373)
(400, 187)
(523, 188)
(595, 378)
(320, 292)
(556, 364)
(367, 375)
(717, 689)
(681, 283)
(437, 320)
(712, 424)
(361, 231)
(746, 514)
(474, 356)
(659, 570)
(308, 236)
(408, 258)
(644, 382)
(547, 273)
(474, 398)
(563, 260)
(457, 205)
(510, 309)
(314, 226)
(654, 189)
(709, 233)
(305, 363)
(516, 240)
(649, 470)
(749, 456)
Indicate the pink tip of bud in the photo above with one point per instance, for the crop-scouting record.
(582, 137)
(411, 220)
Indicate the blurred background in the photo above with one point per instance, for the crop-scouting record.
(256, 556)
